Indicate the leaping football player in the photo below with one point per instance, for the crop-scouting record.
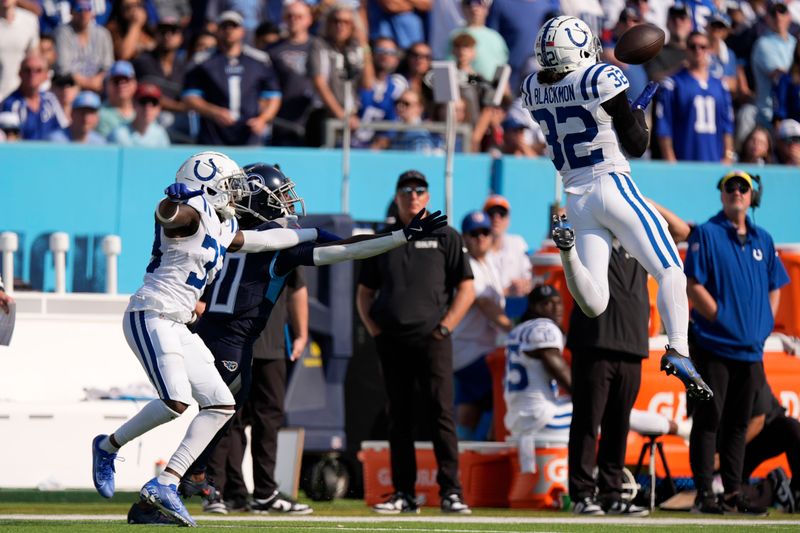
(194, 228)
(241, 300)
(583, 110)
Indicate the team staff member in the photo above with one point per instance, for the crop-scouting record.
(410, 300)
(734, 280)
(607, 353)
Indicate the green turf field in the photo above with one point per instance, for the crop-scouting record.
(83, 511)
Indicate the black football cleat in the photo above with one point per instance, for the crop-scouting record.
(562, 233)
(673, 363)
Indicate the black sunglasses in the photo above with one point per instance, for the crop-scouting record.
(479, 232)
(497, 211)
(407, 190)
(732, 187)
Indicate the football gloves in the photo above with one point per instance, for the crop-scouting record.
(180, 193)
(648, 93)
(422, 227)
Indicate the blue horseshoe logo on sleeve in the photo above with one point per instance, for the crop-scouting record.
(210, 176)
(576, 43)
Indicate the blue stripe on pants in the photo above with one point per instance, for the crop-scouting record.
(667, 242)
(147, 367)
(653, 243)
(153, 359)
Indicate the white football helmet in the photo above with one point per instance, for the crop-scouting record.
(564, 44)
(222, 181)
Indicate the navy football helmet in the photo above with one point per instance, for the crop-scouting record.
(272, 196)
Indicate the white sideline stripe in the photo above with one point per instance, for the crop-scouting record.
(431, 519)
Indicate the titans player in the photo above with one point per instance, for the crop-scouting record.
(583, 110)
(240, 301)
(195, 227)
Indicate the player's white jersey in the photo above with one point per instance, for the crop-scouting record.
(180, 268)
(581, 140)
(528, 384)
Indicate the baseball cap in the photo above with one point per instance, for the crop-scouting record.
(740, 174)
(475, 220)
(86, 99)
(541, 293)
(82, 5)
(231, 16)
(9, 121)
(121, 69)
(409, 176)
(147, 90)
(169, 21)
(789, 128)
(496, 200)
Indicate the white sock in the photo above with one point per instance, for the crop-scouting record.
(588, 294)
(167, 478)
(152, 415)
(199, 433)
(649, 423)
(673, 305)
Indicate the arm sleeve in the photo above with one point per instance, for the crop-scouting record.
(269, 82)
(275, 239)
(629, 124)
(337, 253)
(696, 264)
(192, 83)
(777, 272)
(726, 111)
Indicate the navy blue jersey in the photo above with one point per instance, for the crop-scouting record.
(696, 115)
(240, 300)
(236, 83)
(786, 103)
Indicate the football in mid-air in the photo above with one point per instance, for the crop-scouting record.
(639, 44)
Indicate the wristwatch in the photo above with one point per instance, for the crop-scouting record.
(443, 330)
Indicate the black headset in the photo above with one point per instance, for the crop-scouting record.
(755, 179)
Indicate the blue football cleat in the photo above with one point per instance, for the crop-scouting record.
(102, 468)
(166, 499)
(144, 513)
(562, 233)
(682, 368)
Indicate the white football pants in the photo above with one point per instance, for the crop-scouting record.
(614, 207)
(175, 360)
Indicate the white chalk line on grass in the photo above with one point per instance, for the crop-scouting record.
(464, 520)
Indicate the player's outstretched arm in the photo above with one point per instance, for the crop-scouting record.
(173, 213)
(364, 246)
(252, 241)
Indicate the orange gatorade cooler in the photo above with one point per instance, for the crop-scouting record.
(485, 472)
(545, 488)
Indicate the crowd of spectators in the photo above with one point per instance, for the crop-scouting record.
(273, 73)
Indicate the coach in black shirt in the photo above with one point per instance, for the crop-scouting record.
(410, 299)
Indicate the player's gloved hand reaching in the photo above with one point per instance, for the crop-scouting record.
(421, 227)
(179, 192)
(648, 93)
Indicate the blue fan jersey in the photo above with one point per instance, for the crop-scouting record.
(696, 115)
(241, 298)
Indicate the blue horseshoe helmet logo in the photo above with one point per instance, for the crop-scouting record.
(576, 43)
(210, 176)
